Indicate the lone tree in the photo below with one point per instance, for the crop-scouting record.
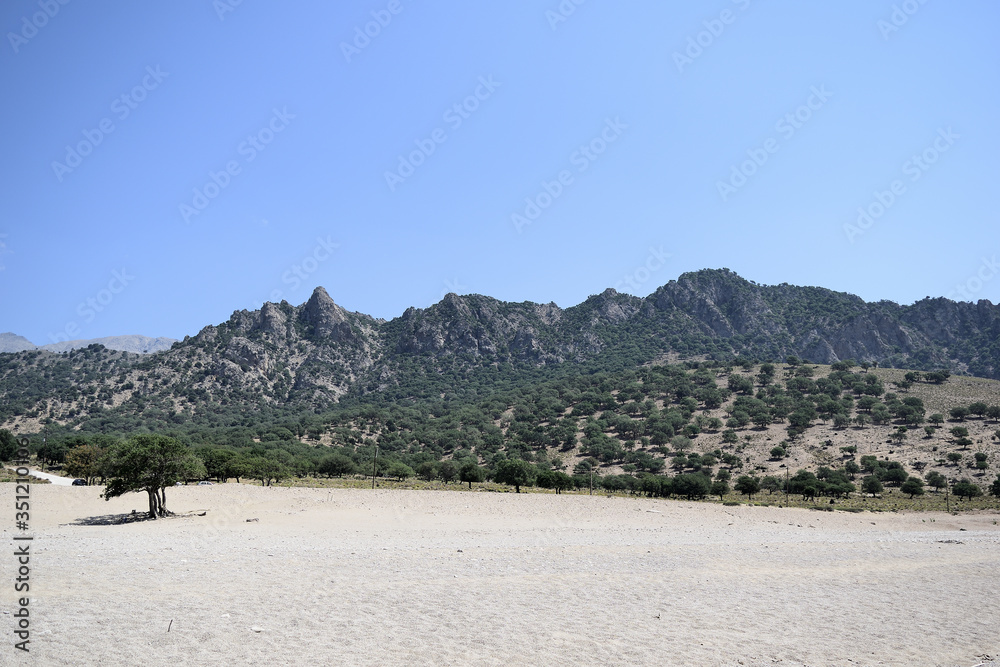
(516, 473)
(150, 463)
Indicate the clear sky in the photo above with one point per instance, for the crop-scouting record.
(168, 162)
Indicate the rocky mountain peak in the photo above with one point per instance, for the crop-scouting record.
(610, 306)
(324, 317)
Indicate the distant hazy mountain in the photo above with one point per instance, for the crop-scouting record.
(135, 343)
(10, 342)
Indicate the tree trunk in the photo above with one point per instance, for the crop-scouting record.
(152, 503)
(163, 501)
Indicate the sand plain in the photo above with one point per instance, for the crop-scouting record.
(392, 577)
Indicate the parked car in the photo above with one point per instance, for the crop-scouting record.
(206, 483)
(79, 482)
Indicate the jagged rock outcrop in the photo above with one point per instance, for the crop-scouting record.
(325, 320)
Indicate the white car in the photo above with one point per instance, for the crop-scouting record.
(206, 483)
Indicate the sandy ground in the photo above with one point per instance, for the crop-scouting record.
(357, 577)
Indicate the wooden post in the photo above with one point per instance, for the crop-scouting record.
(374, 467)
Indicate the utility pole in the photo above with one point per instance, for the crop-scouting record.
(374, 467)
(786, 486)
(591, 480)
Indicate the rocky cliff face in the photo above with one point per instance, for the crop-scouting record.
(824, 326)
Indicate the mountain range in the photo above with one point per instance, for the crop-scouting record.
(312, 356)
(10, 342)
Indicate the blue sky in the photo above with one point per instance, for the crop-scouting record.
(167, 163)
